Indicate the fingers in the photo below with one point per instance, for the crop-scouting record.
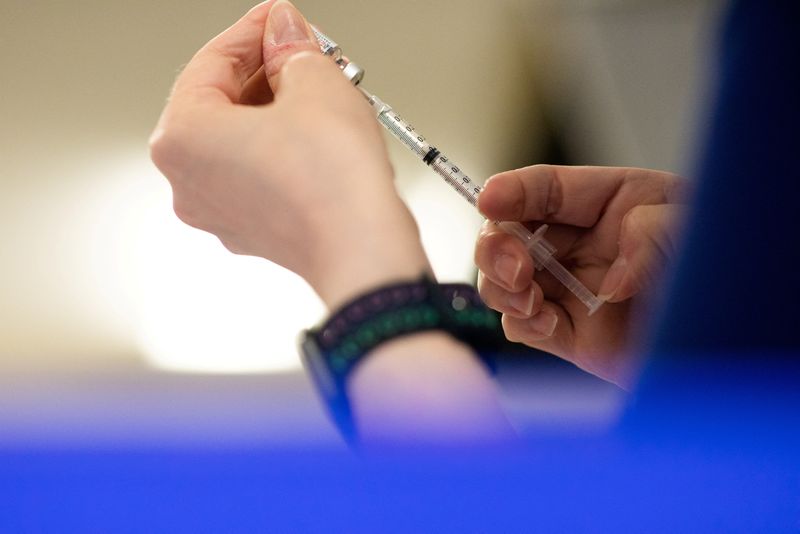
(219, 71)
(576, 196)
(647, 241)
(287, 34)
(502, 258)
(256, 91)
(547, 330)
(223, 70)
(312, 77)
(522, 304)
(505, 283)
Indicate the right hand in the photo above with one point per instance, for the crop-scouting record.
(269, 147)
(615, 229)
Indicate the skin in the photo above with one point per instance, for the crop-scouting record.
(267, 146)
(615, 229)
(244, 172)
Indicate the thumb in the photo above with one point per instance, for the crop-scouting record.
(287, 33)
(646, 243)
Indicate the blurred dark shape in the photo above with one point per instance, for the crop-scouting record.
(726, 354)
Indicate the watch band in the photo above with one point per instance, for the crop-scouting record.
(332, 350)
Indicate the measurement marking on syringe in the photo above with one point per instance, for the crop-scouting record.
(541, 251)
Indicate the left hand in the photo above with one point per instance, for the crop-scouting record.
(615, 229)
(269, 147)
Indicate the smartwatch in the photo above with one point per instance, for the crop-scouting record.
(334, 349)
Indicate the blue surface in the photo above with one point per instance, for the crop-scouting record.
(563, 487)
(710, 444)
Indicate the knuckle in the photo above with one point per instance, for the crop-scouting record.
(492, 301)
(158, 145)
(635, 219)
(185, 211)
(550, 197)
(233, 247)
(166, 145)
(540, 192)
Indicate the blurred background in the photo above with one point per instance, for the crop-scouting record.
(119, 325)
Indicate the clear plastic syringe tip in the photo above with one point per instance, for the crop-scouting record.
(542, 252)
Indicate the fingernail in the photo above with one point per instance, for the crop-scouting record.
(613, 280)
(286, 24)
(522, 302)
(544, 323)
(507, 269)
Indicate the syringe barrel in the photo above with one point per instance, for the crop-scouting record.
(404, 132)
(539, 248)
(425, 151)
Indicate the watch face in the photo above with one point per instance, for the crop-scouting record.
(384, 314)
(317, 366)
(332, 393)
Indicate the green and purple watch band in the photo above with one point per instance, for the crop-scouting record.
(334, 349)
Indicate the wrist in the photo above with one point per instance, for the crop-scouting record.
(426, 388)
(359, 275)
(395, 317)
(366, 252)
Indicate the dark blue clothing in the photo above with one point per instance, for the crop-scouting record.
(738, 285)
(726, 354)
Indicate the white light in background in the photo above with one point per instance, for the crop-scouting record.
(448, 226)
(202, 308)
(205, 309)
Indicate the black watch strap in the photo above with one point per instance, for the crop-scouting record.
(332, 350)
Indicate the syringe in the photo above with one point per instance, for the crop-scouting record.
(538, 247)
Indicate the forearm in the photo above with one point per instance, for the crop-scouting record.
(320, 201)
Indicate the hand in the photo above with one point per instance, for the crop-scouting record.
(614, 228)
(268, 146)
